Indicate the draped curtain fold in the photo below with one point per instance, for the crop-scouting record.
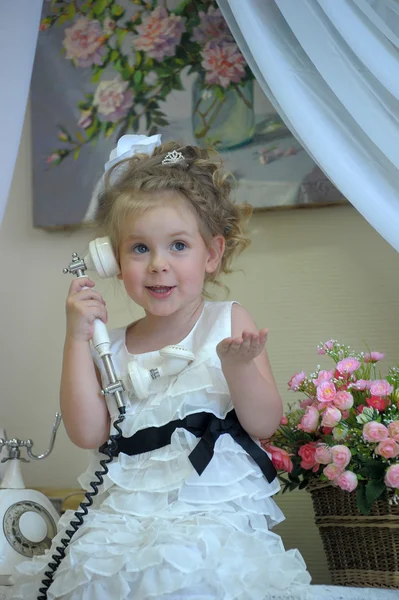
(331, 69)
(19, 28)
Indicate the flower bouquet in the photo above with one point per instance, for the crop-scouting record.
(345, 429)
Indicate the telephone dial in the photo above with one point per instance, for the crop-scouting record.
(100, 257)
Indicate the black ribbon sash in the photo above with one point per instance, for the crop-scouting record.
(203, 425)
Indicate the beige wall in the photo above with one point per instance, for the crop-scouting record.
(308, 276)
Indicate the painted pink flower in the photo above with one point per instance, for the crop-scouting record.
(331, 417)
(85, 119)
(223, 64)
(323, 376)
(392, 477)
(296, 380)
(343, 400)
(53, 158)
(159, 33)
(329, 345)
(341, 455)
(388, 448)
(373, 357)
(360, 385)
(307, 454)
(393, 430)
(381, 387)
(326, 392)
(310, 420)
(348, 365)
(375, 432)
(323, 454)
(212, 28)
(347, 481)
(280, 458)
(84, 43)
(113, 99)
(332, 471)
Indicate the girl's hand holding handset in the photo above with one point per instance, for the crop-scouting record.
(242, 350)
(83, 306)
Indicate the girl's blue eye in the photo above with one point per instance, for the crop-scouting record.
(179, 246)
(140, 249)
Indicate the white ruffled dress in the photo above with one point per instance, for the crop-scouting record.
(157, 529)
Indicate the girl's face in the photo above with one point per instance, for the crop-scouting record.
(164, 259)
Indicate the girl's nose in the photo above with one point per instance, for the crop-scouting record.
(158, 263)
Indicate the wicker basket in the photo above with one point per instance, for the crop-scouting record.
(362, 550)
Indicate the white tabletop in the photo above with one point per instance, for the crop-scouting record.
(328, 592)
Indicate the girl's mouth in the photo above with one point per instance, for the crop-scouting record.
(160, 291)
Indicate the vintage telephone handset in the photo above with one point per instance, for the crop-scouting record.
(173, 360)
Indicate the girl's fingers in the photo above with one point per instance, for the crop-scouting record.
(79, 283)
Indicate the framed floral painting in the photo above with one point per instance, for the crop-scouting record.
(104, 68)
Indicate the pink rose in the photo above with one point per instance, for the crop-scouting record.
(331, 417)
(347, 481)
(360, 385)
(283, 421)
(280, 459)
(310, 420)
(113, 99)
(84, 43)
(387, 448)
(348, 365)
(392, 476)
(375, 432)
(341, 456)
(373, 357)
(380, 387)
(306, 402)
(296, 381)
(307, 453)
(393, 430)
(323, 376)
(326, 391)
(323, 454)
(332, 471)
(343, 400)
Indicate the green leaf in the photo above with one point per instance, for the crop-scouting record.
(99, 7)
(76, 153)
(138, 76)
(114, 55)
(71, 11)
(117, 10)
(62, 20)
(374, 489)
(361, 500)
(95, 78)
(120, 35)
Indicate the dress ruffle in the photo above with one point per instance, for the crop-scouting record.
(157, 529)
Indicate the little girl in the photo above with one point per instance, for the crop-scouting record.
(185, 511)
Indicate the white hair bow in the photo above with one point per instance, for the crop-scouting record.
(129, 145)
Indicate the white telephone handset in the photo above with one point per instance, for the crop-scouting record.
(175, 358)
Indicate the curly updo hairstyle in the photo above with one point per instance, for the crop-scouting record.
(135, 184)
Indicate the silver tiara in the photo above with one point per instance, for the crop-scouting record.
(173, 157)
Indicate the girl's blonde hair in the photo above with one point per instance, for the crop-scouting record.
(135, 184)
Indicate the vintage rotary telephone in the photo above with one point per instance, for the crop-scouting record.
(28, 518)
(174, 359)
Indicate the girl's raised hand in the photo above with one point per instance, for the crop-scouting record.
(83, 306)
(244, 349)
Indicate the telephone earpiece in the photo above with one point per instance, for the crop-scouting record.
(101, 258)
(175, 359)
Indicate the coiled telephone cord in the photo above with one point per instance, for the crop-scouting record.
(109, 448)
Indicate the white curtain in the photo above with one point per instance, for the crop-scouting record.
(331, 69)
(19, 28)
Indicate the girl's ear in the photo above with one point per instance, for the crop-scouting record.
(215, 253)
